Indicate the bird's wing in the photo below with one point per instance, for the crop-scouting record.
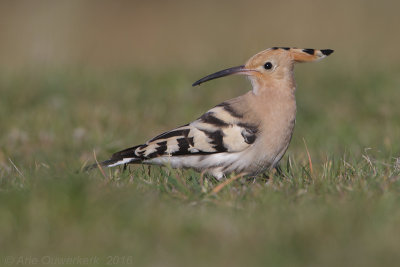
(221, 129)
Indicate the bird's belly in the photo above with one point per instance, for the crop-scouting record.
(271, 147)
(198, 162)
(219, 164)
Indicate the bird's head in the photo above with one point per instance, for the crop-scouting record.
(270, 66)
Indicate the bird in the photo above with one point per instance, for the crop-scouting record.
(247, 135)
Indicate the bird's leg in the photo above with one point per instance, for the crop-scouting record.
(251, 179)
(265, 177)
(148, 170)
(279, 170)
(202, 178)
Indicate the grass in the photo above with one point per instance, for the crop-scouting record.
(342, 211)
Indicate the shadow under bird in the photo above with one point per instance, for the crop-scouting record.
(245, 135)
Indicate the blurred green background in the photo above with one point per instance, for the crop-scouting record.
(85, 77)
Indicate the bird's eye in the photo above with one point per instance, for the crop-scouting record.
(268, 65)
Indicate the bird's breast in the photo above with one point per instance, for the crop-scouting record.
(277, 120)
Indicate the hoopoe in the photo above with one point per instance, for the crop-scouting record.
(245, 135)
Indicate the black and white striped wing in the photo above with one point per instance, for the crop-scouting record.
(219, 130)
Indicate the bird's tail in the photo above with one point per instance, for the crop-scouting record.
(125, 156)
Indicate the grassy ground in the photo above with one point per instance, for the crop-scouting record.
(342, 209)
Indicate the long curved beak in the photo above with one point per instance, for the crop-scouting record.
(235, 70)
